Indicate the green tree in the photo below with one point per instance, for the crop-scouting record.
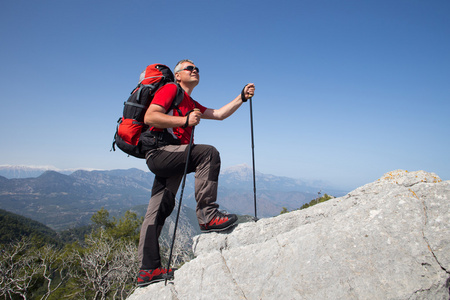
(313, 202)
(306, 205)
(127, 227)
(101, 219)
(284, 210)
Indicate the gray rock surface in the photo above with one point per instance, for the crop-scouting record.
(389, 239)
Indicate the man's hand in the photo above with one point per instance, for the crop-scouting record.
(249, 91)
(194, 117)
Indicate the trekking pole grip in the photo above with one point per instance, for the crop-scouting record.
(187, 117)
(195, 109)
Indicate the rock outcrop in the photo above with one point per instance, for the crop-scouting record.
(389, 239)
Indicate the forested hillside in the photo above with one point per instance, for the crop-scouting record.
(13, 226)
(36, 264)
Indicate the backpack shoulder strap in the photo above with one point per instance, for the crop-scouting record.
(178, 98)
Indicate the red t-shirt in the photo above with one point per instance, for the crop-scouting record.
(164, 97)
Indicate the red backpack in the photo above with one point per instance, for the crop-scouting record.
(132, 134)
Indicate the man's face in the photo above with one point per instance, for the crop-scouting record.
(189, 74)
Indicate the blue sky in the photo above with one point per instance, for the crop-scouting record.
(345, 90)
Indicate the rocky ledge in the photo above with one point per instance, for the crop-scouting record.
(389, 239)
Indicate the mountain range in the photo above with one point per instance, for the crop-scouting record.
(22, 171)
(67, 199)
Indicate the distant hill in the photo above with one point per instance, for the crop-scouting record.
(10, 171)
(13, 227)
(63, 201)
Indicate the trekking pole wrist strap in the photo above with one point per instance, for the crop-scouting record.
(187, 119)
(243, 94)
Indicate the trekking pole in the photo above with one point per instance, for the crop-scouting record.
(253, 157)
(181, 197)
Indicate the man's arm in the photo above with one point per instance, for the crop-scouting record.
(228, 109)
(156, 116)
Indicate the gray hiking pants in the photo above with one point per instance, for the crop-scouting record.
(168, 164)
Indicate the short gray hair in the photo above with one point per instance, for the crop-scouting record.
(178, 66)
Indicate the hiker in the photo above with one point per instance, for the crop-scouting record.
(168, 163)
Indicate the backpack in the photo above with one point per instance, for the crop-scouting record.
(132, 134)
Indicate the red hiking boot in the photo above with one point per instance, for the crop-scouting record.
(219, 223)
(147, 277)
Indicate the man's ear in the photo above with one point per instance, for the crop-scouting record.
(177, 77)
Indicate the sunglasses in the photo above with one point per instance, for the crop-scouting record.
(190, 69)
